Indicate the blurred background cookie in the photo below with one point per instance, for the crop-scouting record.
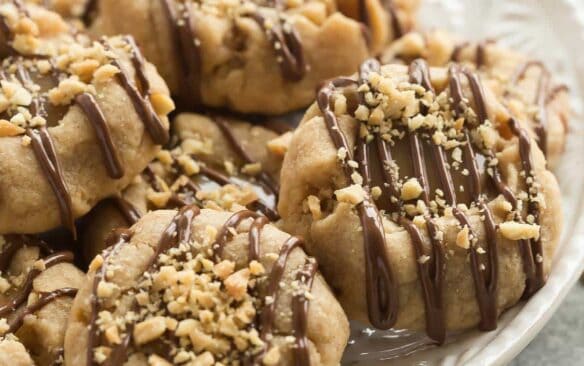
(250, 57)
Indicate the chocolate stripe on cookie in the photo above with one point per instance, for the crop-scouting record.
(20, 297)
(140, 100)
(179, 231)
(284, 38)
(389, 6)
(381, 287)
(89, 105)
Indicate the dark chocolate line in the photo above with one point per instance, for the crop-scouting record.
(268, 314)
(130, 212)
(142, 105)
(254, 238)
(486, 289)
(188, 50)
(263, 177)
(20, 297)
(44, 299)
(44, 150)
(541, 97)
(431, 270)
(287, 47)
(94, 114)
(533, 252)
(114, 243)
(300, 314)
(381, 288)
(394, 21)
(225, 232)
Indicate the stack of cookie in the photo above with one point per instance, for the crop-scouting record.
(162, 204)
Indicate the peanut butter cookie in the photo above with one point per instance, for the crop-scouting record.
(524, 85)
(249, 56)
(74, 129)
(37, 287)
(426, 204)
(204, 286)
(214, 161)
(31, 30)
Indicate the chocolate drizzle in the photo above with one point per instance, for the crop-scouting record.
(44, 299)
(225, 232)
(285, 41)
(483, 261)
(42, 142)
(480, 52)
(140, 98)
(485, 285)
(115, 242)
(44, 150)
(287, 46)
(299, 304)
(544, 93)
(189, 50)
(532, 250)
(542, 98)
(95, 116)
(240, 150)
(20, 297)
(381, 288)
(389, 6)
(180, 231)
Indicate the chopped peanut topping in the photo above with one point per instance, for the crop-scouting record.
(411, 189)
(162, 104)
(149, 330)
(353, 194)
(519, 231)
(462, 238)
(279, 145)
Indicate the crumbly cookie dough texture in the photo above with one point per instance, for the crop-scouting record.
(184, 175)
(523, 84)
(220, 271)
(75, 128)
(247, 56)
(476, 262)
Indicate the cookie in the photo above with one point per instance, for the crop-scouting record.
(205, 286)
(37, 287)
(250, 57)
(69, 9)
(386, 20)
(523, 84)
(216, 162)
(426, 204)
(74, 129)
(31, 30)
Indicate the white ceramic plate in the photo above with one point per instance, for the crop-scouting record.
(553, 31)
